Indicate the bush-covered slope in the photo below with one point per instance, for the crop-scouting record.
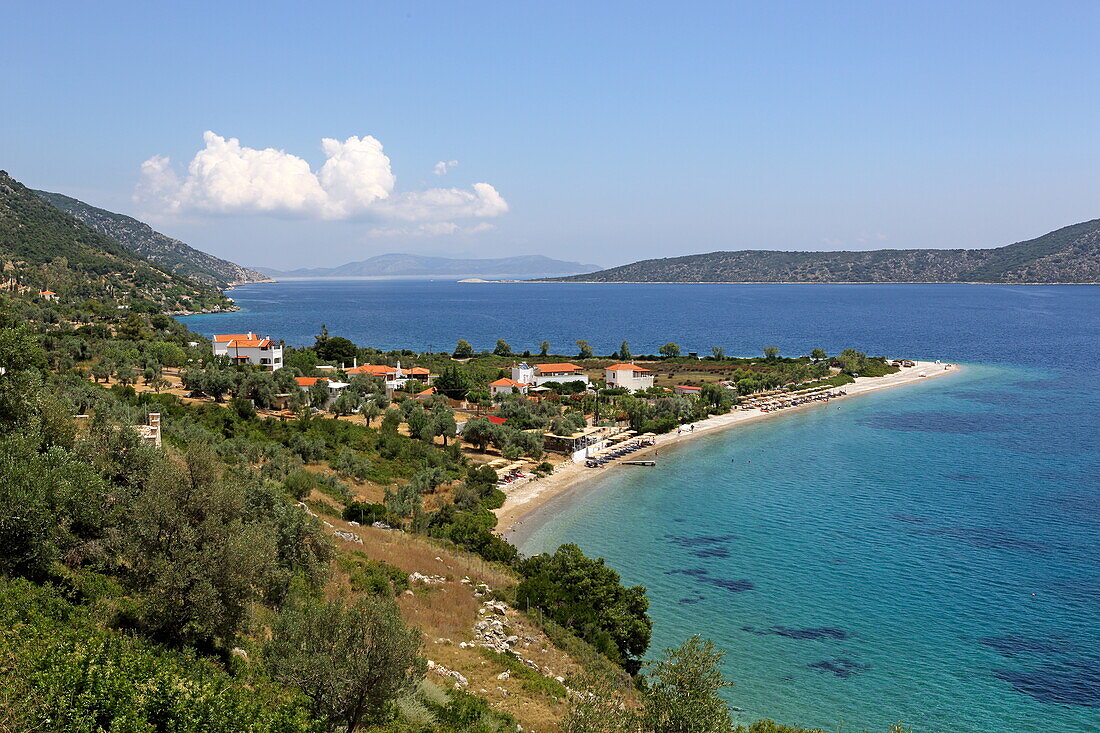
(167, 252)
(44, 248)
(1067, 255)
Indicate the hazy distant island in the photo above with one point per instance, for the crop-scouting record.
(408, 265)
(1067, 255)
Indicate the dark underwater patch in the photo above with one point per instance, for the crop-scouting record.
(712, 552)
(808, 633)
(1073, 683)
(1045, 384)
(702, 576)
(908, 518)
(987, 538)
(1010, 645)
(964, 477)
(840, 667)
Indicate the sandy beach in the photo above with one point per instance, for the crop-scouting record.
(523, 500)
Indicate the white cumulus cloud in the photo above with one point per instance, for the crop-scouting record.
(355, 180)
(443, 166)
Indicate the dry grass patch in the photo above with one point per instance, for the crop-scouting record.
(446, 613)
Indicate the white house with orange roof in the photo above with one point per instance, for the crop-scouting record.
(49, 295)
(248, 348)
(506, 386)
(334, 387)
(537, 375)
(628, 376)
(393, 377)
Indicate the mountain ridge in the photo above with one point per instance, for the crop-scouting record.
(43, 248)
(172, 254)
(409, 265)
(1065, 256)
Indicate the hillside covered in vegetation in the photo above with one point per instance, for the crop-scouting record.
(1067, 255)
(171, 254)
(45, 249)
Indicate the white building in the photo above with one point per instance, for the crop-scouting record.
(334, 387)
(248, 348)
(539, 374)
(628, 376)
(506, 386)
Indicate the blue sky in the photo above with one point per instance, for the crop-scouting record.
(600, 132)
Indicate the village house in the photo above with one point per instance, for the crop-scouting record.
(334, 387)
(506, 386)
(49, 295)
(394, 377)
(539, 374)
(687, 391)
(628, 376)
(425, 395)
(248, 348)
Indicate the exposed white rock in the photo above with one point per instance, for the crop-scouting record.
(347, 536)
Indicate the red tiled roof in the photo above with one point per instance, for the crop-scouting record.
(688, 387)
(555, 368)
(372, 369)
(626, 368)
(223, 337)
(244, 343)
(506, 382)
(497, 420)
(416, 370)
(428, 392)
(47, 292)
(307, 381)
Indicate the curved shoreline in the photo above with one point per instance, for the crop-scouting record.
(527, 507)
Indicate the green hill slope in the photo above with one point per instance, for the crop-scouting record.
(1067, 255)
(44, 248)
(171, 254)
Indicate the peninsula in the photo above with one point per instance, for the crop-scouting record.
(1067, 255)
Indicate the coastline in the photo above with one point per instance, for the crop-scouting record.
(528, 506)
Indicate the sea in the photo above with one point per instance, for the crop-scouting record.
(927, 554)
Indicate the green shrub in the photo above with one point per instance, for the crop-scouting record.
(366, 513)
(373, 576)
(61, 667)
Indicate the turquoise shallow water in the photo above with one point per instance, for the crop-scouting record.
(930, 553)
(905, 555)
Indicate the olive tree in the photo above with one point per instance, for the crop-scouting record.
(351, 662)
(682, 691)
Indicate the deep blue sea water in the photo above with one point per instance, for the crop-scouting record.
(929, 554)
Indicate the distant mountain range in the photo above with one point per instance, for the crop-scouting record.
(1067, 255)
(171, 254)
(405, 265)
